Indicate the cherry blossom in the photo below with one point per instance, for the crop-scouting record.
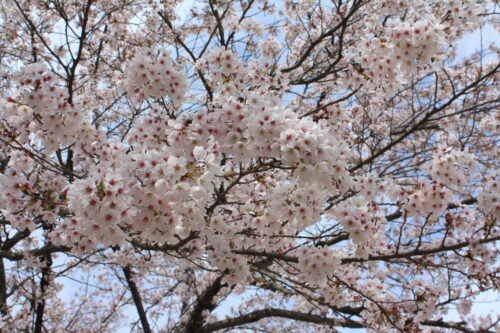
(290, 166)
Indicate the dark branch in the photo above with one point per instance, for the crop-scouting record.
(461, 326)
(204, 302)
(137, 299)
(267, 313)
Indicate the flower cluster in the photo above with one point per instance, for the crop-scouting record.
(271, 47)
(150, 75)
(226, 61)
(357, 218)
(317, 263)
(27, 199)
(428, 199)
(232, 78)
(149, 130)
(41, 107)
(396, 53)
(416, 44)
(223, 258)
(449, 168)
(464, 13)
(489, 199)
(104, 210)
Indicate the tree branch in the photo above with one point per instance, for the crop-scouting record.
(272, 312)
(137, 299)
(408, 254)
(204, 302)
(456, 326)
